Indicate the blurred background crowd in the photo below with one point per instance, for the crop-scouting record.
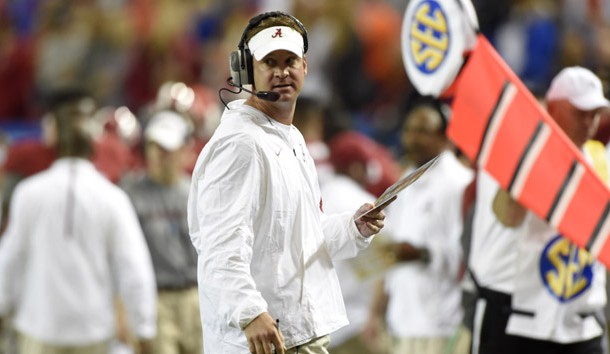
(127, 51)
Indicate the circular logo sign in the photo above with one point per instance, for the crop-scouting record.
(565, 269)
(429, 36)
(434, 37)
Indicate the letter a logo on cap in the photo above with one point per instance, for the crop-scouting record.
(278, 33)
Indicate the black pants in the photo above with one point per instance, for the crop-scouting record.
(492, 337)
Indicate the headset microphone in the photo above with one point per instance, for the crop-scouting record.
(264, 95)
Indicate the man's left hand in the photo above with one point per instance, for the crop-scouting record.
(371, 223)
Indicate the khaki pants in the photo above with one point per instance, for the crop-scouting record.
(316, 346)
(29, 345)
(461, 341)
(434, 345)
(351, 346)
(178, 323)
(8, 337)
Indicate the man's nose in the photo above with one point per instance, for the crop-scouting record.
(281, 71)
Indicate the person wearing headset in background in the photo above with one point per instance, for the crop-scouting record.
(265, 271)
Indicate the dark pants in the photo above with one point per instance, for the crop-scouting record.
(492, 337)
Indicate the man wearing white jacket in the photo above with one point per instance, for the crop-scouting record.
(266, 276)
(419, 298)
(537, 291)
(72, 243)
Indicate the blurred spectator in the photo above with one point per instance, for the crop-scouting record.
(327, 23)
(16, 72)
(378, 25)
(311, 118)
(168, 52)
(62, 44)
(84, 247)
(368, 162)
(573, 49)
(197, 103)
(528, 41)
(582, 22)
(106, 61)
(340, 191)
(27, 157)
(23, 14)
(351, 84)
(424, 224)
(492, 14)
(160, 198)
(319, 122)
(118, 129)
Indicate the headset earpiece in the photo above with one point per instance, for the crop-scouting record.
(239, 68)
(247, 70)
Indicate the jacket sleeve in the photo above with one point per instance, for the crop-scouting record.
(226, 188)
(342, 238)
(132, 268)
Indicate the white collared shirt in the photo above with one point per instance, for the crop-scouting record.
(73, 240)
(493, 246)
(424, 299)
(263, 242)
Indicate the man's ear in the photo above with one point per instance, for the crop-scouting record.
(305, 63)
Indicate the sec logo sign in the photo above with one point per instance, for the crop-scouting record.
(435, 35)
(429, 37)
(565, 269)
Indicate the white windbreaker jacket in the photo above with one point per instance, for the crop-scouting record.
(73, 241)
(264, 244)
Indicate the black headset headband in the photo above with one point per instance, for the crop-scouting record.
(254, 21)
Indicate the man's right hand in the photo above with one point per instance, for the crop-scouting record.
(372, 332)
(405, 252)
(261, 333)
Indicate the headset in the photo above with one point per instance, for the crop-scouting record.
(240, 61)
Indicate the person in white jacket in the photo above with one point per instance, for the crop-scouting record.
(419, 298)
(73, 242)
(538, 292)
(265, 270)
